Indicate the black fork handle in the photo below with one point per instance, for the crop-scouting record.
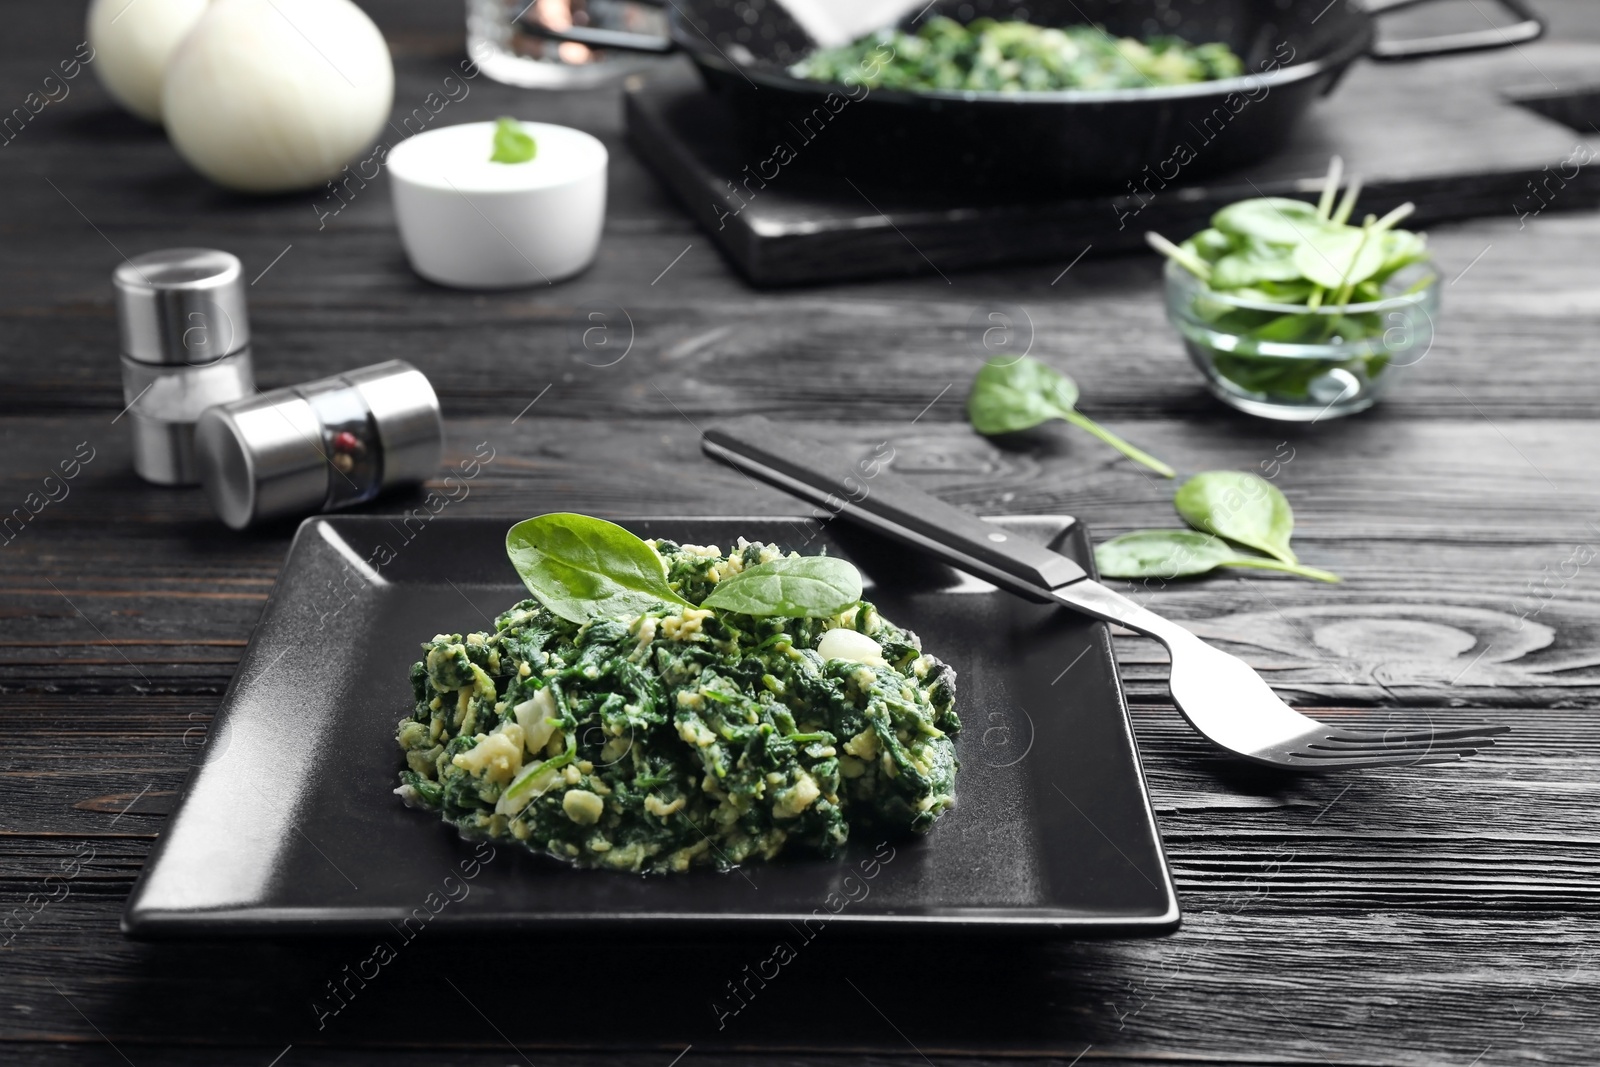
(864, 490)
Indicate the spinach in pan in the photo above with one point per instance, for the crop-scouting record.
(1008, 57)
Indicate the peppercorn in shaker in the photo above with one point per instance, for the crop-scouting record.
(185, 338)
(319, 446)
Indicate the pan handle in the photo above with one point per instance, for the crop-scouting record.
(594, 37)
(1531, 28)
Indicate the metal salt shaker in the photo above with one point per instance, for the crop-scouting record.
(323, 445)
(185, 338)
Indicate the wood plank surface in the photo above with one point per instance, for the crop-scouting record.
(1403, 917)
(340, 297)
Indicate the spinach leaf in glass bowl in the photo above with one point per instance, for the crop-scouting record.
(1293, 313)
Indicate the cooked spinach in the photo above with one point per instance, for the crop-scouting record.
(1011, 394)
(656, 731)
(1008, 57)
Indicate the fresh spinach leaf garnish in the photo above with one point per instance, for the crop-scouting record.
(581, 567)
(794, 587)
(1011, 394)
(512, 143)
(1182, 554)
(1241, 506)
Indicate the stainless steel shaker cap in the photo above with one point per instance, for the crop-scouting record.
(261, 458)
(280, 454)
(181, 305)
(406, 410)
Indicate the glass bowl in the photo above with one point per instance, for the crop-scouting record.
(1285, 361)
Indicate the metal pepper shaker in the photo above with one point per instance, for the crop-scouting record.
(323, 445)
(185, 339)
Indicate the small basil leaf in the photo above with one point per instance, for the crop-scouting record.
(795, 587)
(1182, 554)
(512, 143)
(582, 567)
(1240, 506)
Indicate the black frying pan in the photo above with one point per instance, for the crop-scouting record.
(1295, 51)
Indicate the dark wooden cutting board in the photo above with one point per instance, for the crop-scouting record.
(1488, 134)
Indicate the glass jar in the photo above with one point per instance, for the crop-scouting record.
(1294, 363)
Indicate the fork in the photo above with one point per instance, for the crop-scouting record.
(1229, 703)
(1219, 694)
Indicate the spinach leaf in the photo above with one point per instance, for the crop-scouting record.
(1243, 507)
(512, 143)
(1296, 292)
(1253, 265)
(1340, 256)
(1011, 394)
(1210, 245)
(1182, 554)
(1274, 250)
(582, 567)
(1292, 329)
(1275, 220)
(1401, 248)
(795, 587)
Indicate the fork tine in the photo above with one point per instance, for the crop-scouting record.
(1392, 752)
(1453, 733)
(1347, 747)
(1356, 763)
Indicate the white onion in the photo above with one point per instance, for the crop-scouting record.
(271, 95)
(132, 41)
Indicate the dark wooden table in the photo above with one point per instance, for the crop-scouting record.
(1429, 916)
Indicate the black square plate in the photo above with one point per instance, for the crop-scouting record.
(289, 825)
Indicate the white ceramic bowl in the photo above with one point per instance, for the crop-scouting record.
(472, 224)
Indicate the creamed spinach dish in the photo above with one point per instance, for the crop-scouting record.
(1009, 57)
(679, 735)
